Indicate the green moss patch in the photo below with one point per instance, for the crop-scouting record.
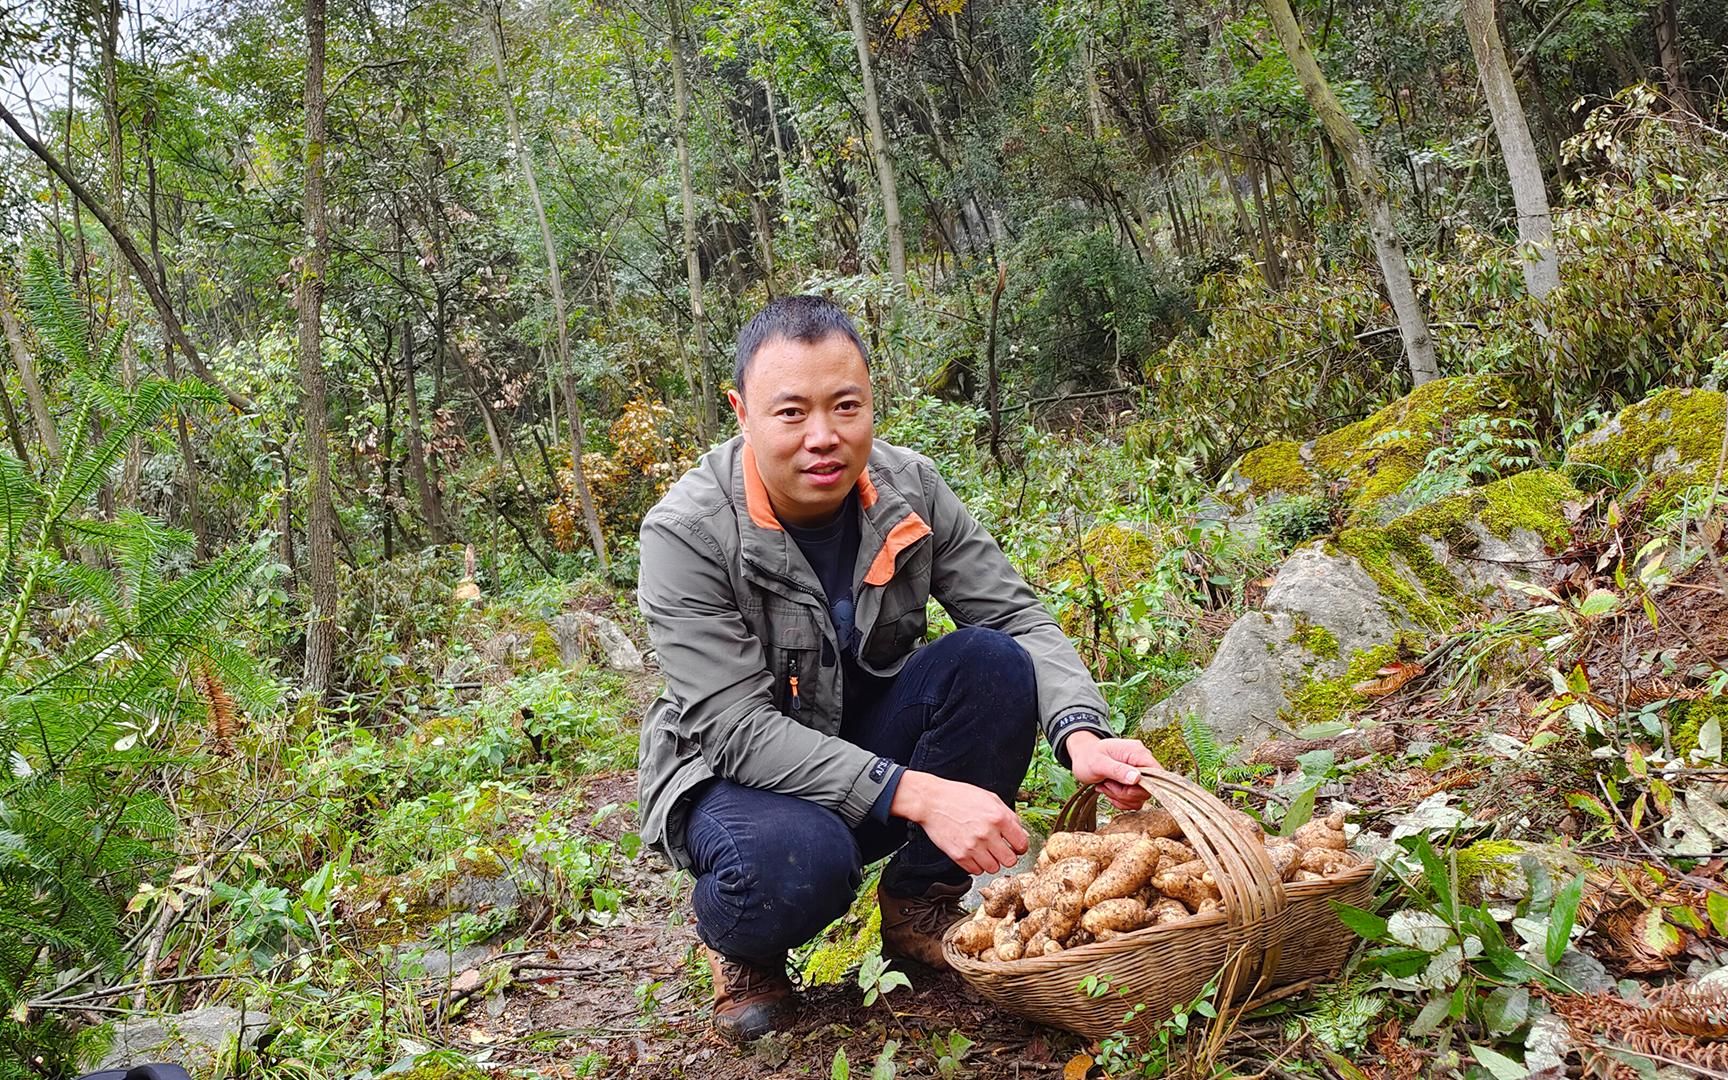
(1415, 580)
(1534, 500)
(1690, 718)
(1318, 640)
(1411, 577)
(1275, 469)
(1378, 456)
(1169, 747)
(855, 935)
(1322, 700)
(1675, 434)
(1120, 556)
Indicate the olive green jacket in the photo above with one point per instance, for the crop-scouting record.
(739, 621)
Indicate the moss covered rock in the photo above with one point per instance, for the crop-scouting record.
(1373, 460)
(1323, 697)
(1116, 555)
(1673, 435)
(1275, 469)
(1440, 563)
(1322, 612)
(1378, 456)
(1498, 871)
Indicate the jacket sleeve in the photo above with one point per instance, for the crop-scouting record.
(715, 673)
(978, 586)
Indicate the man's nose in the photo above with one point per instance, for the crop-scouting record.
(819, 434)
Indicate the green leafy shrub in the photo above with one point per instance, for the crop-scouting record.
(1296, 519)
(93, 707)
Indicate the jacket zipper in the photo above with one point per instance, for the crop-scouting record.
(792, 683)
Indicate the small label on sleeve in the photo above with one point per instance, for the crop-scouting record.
(879, 770)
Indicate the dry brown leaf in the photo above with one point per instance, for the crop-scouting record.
(1392, 679)
(1077, 1068)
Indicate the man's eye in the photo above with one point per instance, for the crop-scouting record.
(849, 406)
(790, 414)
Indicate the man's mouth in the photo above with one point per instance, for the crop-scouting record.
(825, 472)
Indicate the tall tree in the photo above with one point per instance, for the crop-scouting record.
(1370, 185)
(309, 300)
(1669, 56)
(555, 283)
(879, 149)
(706, 419)
(1529, 191)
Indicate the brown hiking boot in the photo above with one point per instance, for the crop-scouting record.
(749, 1001)
(912, 926)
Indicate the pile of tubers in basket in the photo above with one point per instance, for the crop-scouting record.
(1133, 873)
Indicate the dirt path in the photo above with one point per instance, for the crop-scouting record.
(631, 1000)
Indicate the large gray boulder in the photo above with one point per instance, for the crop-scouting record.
(1321, 611)
(583, 634)
(194, 1040)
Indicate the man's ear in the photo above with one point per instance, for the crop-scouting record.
(736, 400)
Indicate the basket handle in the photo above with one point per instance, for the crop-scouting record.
(1250, 888)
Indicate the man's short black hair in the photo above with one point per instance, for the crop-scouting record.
(804, 319)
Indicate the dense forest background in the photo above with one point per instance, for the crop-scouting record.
(300, 301)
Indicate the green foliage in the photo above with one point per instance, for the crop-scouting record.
(1455, 953)
(876, 979)
(1295, 519)
(1156, 1051)
(1342, 1015)
(97, 668)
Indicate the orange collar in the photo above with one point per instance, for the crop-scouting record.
(761, 509)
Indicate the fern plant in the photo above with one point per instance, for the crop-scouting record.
(102, 646)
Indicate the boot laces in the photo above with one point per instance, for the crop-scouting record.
(747, 980)
(932, 916)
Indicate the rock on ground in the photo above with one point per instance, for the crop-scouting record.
(581, 634)
(1245, 687)
(193, 1040)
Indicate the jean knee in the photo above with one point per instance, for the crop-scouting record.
(780, 886)
(996, 659)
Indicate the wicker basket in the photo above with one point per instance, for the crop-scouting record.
(1269, 935)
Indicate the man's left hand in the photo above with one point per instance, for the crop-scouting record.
(1113, 764)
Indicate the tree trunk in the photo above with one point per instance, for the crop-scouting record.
(1370, 189)
(879, 147)
(706, 418)
(1529, 192)
(430, 508)
(27, 375)
(555, 281)
(132, 470)
(1668, 55)
(309, 298)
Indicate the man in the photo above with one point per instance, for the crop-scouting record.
(807, 729)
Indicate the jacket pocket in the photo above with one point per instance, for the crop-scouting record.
(894, 638)
(791, 655)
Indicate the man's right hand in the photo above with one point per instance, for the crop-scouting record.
(970, 825)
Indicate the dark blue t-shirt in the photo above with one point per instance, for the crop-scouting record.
(832, 552)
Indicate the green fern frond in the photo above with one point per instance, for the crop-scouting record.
(21, 501)
(55, 315)
(1203, 746)
(84, 473)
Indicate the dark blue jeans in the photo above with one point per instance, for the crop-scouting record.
(773, 870)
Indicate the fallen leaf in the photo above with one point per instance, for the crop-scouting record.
(1077, 1068)
(1392, 679)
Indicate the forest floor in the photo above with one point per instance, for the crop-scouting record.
(634, 994)
(626, 992)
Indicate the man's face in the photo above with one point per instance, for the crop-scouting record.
(806, 412)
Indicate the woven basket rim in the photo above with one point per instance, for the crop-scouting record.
(1040, 965)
